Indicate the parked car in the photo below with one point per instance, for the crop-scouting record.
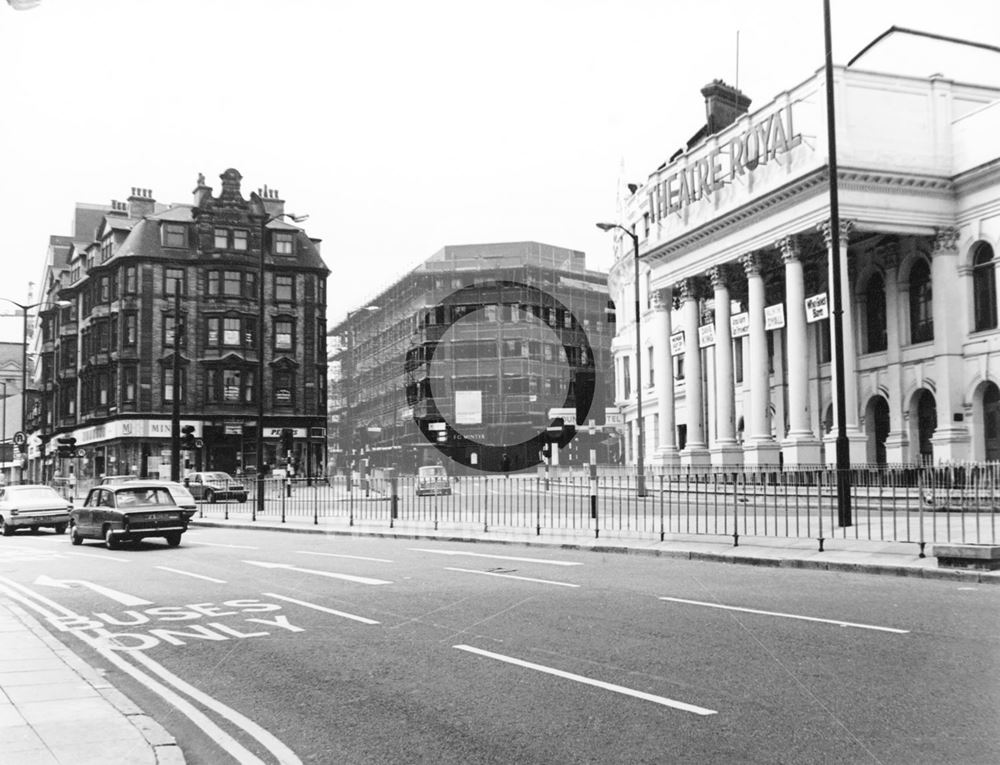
(119, 479)
(432, 479)
(33, 506)
(128, 512)
(214, 485)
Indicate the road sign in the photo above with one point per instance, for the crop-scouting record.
(19, 438)
(198, 443)
(81, 452)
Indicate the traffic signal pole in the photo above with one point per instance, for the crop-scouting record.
(175, 429)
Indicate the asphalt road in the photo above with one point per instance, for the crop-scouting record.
(352, 650)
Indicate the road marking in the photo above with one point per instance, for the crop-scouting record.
(102, 557)
(330, 574)
(324, 609)
(838, 622)
(188, 573)
(122, 597)
(511, 576)
(683, 706)
(218, 544)
(499, 557)
(226, 742)
(335, 555)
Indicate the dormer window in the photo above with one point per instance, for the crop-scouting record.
(284, 243)
(174, 235)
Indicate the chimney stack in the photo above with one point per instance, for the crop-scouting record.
(724, 104)
(273, 204)
(141, 203)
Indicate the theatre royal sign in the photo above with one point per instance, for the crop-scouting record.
(742, 154)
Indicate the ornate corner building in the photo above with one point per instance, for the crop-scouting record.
(736, 250)
(140, 281)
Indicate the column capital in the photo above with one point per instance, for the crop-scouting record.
(753, 263)
(719, 276)
(845, 229)
(945, 240)
(689, 289)
(791, 249)
(661, 299)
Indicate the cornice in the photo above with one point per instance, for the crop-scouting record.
(865, 180)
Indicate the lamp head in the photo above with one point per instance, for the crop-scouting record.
(607, 226)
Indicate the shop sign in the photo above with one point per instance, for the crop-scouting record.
(739, 324)
(706, 335)
(677, 344)
(817, 308)
(774, 316)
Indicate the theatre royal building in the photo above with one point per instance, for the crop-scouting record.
(735, 279)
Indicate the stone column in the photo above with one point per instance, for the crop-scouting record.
(951, 439)
(801, 447)
(858, 444)
(896, 441)
(695, 451)
(759, 447)
(666, 451)
(725, 450)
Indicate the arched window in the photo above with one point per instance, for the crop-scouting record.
(921, 316)
(984, 288)
(875, 314)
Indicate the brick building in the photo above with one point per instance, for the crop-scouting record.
(106, 337)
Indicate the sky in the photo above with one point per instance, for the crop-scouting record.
(401, 127)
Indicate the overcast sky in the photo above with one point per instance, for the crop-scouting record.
(401, 126)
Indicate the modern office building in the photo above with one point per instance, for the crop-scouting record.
(141, 281)
(737, 250)
(472, 355)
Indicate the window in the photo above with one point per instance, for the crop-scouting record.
(168, 384)
(240, 240)
(984, 288)
(283, 334)
(131, 331)
(221, 239)
(170, 326)
(627, 376)
(738, 359)
(171, 276)
(284, 388)
(174, 235)
(131, 283)
(250, 285)
(128, 385)
(921, 315)
(284, 243)
(875, 314)
(284, 288)
(105, 289)
(232, 283)
(678, 367)
(230, 331)
(652, 377)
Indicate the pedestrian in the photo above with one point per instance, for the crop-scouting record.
(505, 463)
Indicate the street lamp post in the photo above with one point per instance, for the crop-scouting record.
(641, 449)
(257, 203)
(175, 412)
(24, 354)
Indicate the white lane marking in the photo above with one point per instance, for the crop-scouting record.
(324, 609)
(121, 597)
(838, 622)
(335, 555)
(330, 574)
(511, 576)
(683, 706)
(102, 557)
(188, 573)
(498, 557)
(218, 544)
(225, 741)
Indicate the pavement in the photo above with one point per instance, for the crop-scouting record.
(56, 708)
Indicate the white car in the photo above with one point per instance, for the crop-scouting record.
(32, 506)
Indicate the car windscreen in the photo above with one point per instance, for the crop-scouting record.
(40, 494)
(217, 477)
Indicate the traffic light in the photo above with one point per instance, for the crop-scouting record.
(287, 436)
(187, 437)
(67, 446)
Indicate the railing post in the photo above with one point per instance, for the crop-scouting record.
(393, 493)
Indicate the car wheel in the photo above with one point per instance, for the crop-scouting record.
(60, 528)
(241, 498)
(174, 538)
(7, 529)
(110, 539)
(74, 536)
(209, 495)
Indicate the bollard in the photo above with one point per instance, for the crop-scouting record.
(593, 491)
(393, 493)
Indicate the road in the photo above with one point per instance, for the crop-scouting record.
(289, 647)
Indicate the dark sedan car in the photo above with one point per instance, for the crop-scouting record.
(32, 506)
(128, 512)
(214, 485)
